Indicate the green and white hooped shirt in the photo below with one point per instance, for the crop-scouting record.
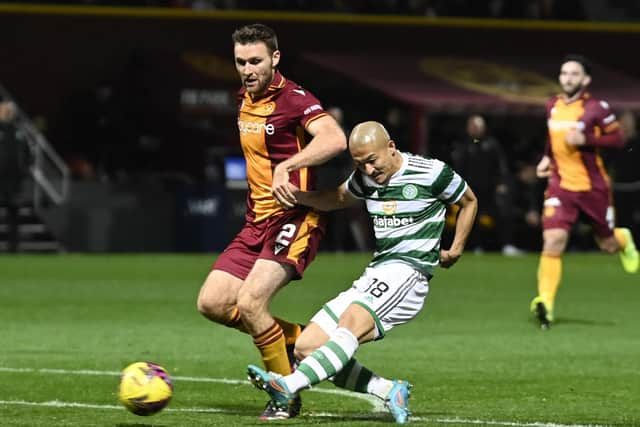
(408, 213)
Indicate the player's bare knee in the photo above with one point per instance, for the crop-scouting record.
(203, 305)
(210, 309)
(553, 246)
(250, 304)
(358, 321)
(555, 241)
(218, 296)
(214, 306)
(306, 344)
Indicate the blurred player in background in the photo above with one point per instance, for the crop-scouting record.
(579, 125)
(406, 196)
(276, 244)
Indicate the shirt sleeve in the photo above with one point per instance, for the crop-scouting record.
(355, 184)
(448, 186)
(306, 105)
(605, 129)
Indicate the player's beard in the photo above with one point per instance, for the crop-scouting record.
(574, 92)
(261, 86)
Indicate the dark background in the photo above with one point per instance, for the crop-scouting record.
(107, 89)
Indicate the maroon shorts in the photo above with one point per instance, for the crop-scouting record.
(562, 207)
(290, 238)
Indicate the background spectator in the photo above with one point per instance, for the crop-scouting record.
(14, 161)
(480, 159)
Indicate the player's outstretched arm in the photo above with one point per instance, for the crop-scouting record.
(327, 142)
(325, 200)
(468, 204)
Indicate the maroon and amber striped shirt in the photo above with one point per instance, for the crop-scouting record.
(580, 168)
(272, 129)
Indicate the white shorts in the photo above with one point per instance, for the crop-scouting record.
(393, 292)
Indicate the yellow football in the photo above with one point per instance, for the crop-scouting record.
(145, 388)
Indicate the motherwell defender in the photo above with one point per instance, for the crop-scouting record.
(284, 131)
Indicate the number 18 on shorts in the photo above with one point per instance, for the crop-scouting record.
(393, 292)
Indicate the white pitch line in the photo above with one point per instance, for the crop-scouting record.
(508, 423)
(59, 404)
(377, 405)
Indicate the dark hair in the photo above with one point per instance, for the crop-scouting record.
(255, 33)
(580, 59)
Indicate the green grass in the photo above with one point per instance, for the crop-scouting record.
(474, 353)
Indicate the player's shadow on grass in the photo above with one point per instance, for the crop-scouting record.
(140, 425)
(319, 419)
(586, 322)
(560, 321)
(375, 417)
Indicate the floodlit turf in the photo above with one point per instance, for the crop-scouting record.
(68, 323)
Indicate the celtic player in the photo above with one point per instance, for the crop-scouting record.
(406, 196)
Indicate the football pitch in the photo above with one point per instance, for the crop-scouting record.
(70, 323)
